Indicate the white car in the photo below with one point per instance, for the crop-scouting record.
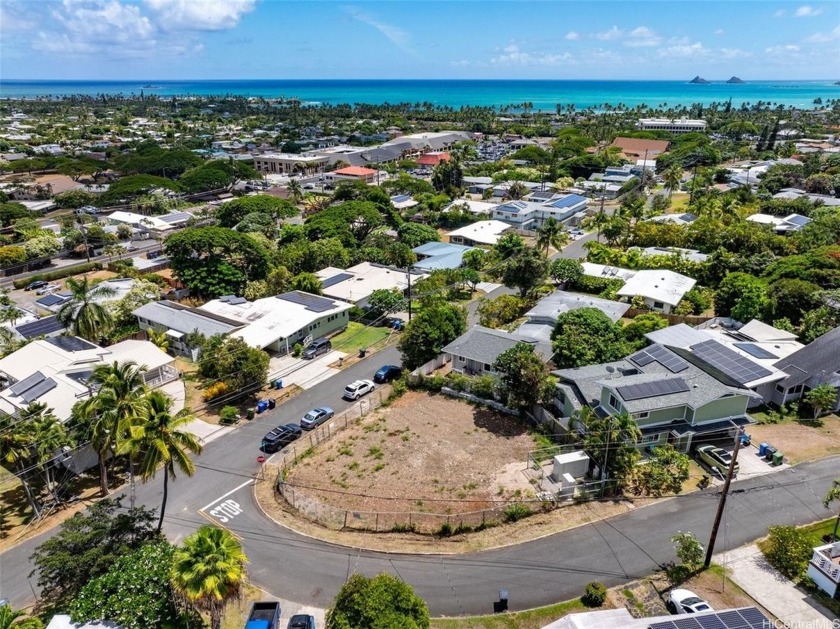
(355, 390)
(49, 288)
(686, 602)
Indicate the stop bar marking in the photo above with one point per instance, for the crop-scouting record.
(247, 482)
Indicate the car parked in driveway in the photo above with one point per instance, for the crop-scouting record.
(316, 348)
(280, 437)
(357, 389)
(47, 289)
(716, 459)
(301, 621)
(316, 417)
(686, 602)
(35, 285)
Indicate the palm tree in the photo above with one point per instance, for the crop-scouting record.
(833, 495)
(113, 250)
(517, 190)
(8, 616)
(83, 313)
(158, 439)
(294, 189)
(551, 234)
(49, 436)
(15, 451)
(159, 338)
(673, 178)
(208, 571)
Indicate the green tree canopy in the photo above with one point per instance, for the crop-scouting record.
(383, 301)
(523, 376)
(525, 270)
(415, 234)
(586, 336)
(430, 331)
(233, 212)
(350, 222)
(741, 296)
(215, 261)
(232, 361)
(381, 602)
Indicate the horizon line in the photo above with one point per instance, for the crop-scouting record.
(140, 80)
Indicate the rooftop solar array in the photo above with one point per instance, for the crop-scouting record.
(740, 368)
(747, 618)
(30, 395)
(311, 302)
(335, 279)
(755, 350)
(669, 360)
(27, 383)
(51, 300)
(175, 217)
(569, 201)
(401, 198)
(71, 343)
(644, 390)
(47, 325)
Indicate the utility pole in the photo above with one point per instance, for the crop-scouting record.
(408, 277)
(722, 501)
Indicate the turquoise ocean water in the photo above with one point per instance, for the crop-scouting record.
(544, 95)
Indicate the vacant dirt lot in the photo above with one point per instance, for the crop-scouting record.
(425, 453)
(801, 441)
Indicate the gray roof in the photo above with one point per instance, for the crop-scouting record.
(818, 360)
(483, 345)
(174, 316)
(559, 302)
(680, 335)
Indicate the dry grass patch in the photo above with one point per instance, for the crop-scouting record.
(801, 440)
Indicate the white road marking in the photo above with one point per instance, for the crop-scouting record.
(247, 482)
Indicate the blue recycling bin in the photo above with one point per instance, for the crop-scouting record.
(762, 449)
(745, 439)
(279, 384)
(262, 405)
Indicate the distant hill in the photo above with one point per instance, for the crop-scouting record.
(699, 80)
(735, 79)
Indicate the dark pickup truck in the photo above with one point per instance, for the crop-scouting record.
(264, 615)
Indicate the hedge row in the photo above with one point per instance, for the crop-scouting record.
(60, 274)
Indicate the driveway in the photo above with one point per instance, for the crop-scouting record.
(750, 464)
(304, 373)
(777, 594)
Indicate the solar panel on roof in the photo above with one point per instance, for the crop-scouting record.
(644, 390)
(27, 383)
(729, 362)
(400, 198)
(311, 302)
(641, 358)
(30, 395)
(747, 618)
(754, 350)
(47, 325)
(71, 343)
(669, 360)
(51, 300)
(335, 279)
(235, 301)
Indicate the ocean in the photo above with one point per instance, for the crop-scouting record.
(544, 95)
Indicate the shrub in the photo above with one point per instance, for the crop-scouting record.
(445, 530)
(398, 388)
(484, 387)
(689, 549)
(595, 594)
(297, 350)
(516, 512)
(60, 274)
(228, 414)
(788, 549)
(214, 390)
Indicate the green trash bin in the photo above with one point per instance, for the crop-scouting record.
(778, 458)
(250, 413)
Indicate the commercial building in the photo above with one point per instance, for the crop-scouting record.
(679, 125)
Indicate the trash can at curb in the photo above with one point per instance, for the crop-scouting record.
(778, 458)
(362, 352)
(250, 413)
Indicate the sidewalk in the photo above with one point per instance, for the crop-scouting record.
(775, 593)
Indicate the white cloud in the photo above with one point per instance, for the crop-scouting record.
(199, 15)
(613, 33)
(511, 55)
(782, 49)
(733, 53)
(780, 13)
(719, 31)
(808, 11)
(397, 36)
(695, 50)
(461, 63)
(572, 36)
(642, 36)
(821, 38)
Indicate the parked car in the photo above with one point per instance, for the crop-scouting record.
(47, 289)
(316, 348)
(387, 373)
(717, 459)
(355, 390)
(316, 417)
(686, 602)
(35, 284)
(264, 615)
(280, 437)
(301, 621)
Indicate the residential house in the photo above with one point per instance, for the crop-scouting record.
(740, 618)
(355, 285)
(781, 225)
(277, 323)
(529, 215)
(796, 193)
(824, 568)
(475, 351)
(814, 364)
(683, 219)
(55, 371)
(52, 302)
(46, 327)
(480, 233)
(439, 255)
(474, 207)
(403, 201)
(179, 321)
(672, 399)
(143, 223)
(689, 254)
(661, 289)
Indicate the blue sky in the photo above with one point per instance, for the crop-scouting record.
(279, 39)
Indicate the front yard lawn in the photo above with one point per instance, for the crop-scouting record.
(358, 336)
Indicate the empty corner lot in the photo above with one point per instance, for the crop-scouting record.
(426, 453)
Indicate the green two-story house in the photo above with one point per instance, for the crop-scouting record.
(672, 400)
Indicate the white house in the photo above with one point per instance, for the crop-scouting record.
(480, 233)
(781, 224)
(531, 215)
(661, 289)
(678, 125)
(355, 285)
